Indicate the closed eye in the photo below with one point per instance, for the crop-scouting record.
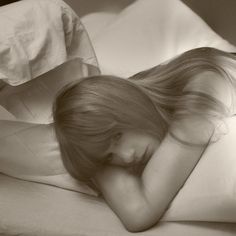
(116, 137)
(109, 158)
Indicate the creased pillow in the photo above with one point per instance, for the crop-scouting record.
(149, 32)
(40, 35)
(44, 47)
(32, 101)
(209, 193)
(30, 152)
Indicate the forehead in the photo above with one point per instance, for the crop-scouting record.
(97, 151)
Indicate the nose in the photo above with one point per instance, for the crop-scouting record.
(126, 156)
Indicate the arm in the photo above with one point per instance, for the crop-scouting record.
(141, 201)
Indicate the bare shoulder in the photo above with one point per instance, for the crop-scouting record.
(195, 127)
(208, 81)
(214, 85)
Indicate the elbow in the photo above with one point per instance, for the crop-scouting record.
(140, 220)
(136, 226)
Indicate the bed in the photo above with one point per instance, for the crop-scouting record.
(37, 196)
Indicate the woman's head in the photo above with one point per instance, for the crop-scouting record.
(93, 112)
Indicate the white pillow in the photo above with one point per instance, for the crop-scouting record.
(44, 41)
(149, 32)
(5, 115)
(43, 38)
(37, 36)
(32, 101)
(208, 194)
(210, 191)
(30, 152)
(95, 22)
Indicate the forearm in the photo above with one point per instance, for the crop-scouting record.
(140, 201)
(123, 192)
(166, 173)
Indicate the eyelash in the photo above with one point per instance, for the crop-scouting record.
(109, 158)
(117, 137)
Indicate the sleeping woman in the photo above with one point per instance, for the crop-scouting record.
(138, 139)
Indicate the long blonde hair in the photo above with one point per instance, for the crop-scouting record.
(88, 113)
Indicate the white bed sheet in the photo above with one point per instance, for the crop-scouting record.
(32, 209)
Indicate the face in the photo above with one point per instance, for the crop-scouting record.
(131, 148)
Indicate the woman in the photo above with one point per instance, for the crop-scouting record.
(137, 140)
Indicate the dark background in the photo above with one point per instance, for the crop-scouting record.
(220, 15)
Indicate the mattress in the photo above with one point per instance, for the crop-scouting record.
(33, 209)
